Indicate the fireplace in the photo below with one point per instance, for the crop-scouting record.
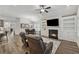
(53, 34)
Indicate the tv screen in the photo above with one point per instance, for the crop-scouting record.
(53, 22)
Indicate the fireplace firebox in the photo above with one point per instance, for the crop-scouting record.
(53, 34)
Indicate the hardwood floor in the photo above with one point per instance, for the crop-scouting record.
(67, 47)
(6, 48)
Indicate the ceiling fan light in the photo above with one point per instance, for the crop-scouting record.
(42, 10)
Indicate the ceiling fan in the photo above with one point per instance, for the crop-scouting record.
(43, 8)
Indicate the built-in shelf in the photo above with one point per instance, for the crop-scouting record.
(68, 21)
(68, 28)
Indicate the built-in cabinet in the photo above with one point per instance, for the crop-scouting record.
(44, 29)
(69, 31)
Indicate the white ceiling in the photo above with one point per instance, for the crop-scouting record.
(16, 10)
(62, 10)
(27, 11)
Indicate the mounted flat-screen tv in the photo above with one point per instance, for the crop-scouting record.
(53, 22)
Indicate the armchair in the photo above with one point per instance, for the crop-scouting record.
(37, 46)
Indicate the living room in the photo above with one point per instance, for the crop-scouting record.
(25, 26)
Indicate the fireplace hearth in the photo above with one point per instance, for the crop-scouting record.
(53, 34)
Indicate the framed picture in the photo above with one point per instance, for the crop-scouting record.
(24, 25)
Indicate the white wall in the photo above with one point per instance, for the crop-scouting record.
(35, 24)
(78, 27)
(13, 21)
(78, 23)
(26, 21)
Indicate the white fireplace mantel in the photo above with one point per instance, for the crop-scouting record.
(53, 27)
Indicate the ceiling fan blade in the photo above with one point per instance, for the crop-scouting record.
(48, 8)
(40, 12)
(46, 11)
